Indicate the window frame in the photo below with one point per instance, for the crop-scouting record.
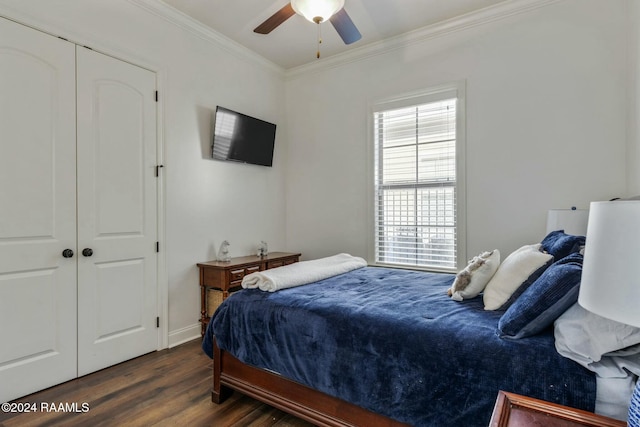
(433, 94)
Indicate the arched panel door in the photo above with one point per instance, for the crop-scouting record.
(37, 211)
(117, 212)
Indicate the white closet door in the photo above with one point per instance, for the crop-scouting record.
(37, 211)
(117, 221)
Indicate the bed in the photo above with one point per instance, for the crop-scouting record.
(381, 346)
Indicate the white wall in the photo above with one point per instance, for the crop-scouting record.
(546, 125)
(207, 201)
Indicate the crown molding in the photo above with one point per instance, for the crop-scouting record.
(175, 17)
(484, 16)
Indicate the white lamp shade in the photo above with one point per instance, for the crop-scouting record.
(311, 9)
(572, 221)
(610, 285)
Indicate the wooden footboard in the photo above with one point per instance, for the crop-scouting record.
(296, 399)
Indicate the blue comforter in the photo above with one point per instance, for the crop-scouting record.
(393, 342)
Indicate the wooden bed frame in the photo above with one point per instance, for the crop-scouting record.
(311, 405)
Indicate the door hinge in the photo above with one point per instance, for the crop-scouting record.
(156, 96)
(157, 246)
(158, 170)
(157, 322)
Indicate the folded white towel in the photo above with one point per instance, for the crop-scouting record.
(302, 273)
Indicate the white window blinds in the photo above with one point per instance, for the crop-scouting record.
(415, 184)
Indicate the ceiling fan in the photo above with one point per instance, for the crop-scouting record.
(317, 11)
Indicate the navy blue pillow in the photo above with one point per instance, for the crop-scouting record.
(561, 245)
(544, 301)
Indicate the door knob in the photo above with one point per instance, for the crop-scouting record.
(87, 252)
(67, 253)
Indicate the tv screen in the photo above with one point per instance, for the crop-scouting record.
(242, 138)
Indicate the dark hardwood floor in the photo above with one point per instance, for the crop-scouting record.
(169, 387)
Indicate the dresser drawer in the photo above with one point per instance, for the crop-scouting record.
(280, 262)
(250, 270)
(275, 263)
(235, 275)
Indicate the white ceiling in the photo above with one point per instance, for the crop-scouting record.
(294, 42)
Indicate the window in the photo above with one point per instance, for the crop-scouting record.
(417, 180)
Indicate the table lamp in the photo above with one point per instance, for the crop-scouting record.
(610, 285)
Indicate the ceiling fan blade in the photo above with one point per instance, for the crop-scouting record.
(345, 27)
(276, 19)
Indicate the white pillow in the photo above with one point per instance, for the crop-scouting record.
(608, 348)
(514, 271)
(587, 338)
(475, 276)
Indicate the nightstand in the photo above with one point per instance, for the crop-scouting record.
(513, 410)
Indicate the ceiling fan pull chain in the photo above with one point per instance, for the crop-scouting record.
(319, 40)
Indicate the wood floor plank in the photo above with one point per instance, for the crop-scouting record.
(166, 388)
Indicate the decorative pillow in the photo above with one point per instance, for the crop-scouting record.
(475, 276)
(544, 301)
(514, 275)
(560, 245)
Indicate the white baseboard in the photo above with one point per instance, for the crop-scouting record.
(183, 335)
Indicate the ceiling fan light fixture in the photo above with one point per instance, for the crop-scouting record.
(317, 10)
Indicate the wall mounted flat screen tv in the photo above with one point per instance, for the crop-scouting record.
(241, 138)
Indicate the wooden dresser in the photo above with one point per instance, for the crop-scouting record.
(219, 278)
(513, 410)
